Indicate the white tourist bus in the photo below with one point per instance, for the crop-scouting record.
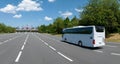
(90, 36)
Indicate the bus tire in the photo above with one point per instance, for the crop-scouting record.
(65, 40)
(80, 43)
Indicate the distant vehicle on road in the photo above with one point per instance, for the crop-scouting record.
(89, 36)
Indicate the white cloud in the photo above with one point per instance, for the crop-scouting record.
(48, 18)
(29, 5)
(66, 14)
(51, 0)
(17, 16)
(25, 5)
(78, 10)
(9, 9)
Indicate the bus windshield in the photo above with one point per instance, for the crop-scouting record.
(99, 28)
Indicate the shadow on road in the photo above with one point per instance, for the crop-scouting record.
(90, 48)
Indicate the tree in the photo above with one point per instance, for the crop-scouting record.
(103, 13)
(74, 22)
(66, 22)
(58, 25)
(6, 29)
(42, 29)
(50, 29)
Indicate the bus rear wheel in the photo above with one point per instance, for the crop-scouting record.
(80, 43)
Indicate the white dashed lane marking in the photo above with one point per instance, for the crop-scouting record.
(20, 53)
(9, 40)
(98, 51)
(22, 47)
(18, 57)
(55, 50)
(65, 56)
(46, 43)
(117, 54)
(52, 48)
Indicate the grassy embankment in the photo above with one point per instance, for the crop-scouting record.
(115, 37)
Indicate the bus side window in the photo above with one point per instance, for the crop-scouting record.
(85, 30)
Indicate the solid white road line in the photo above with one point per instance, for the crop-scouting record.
(52, 48)
(65, 57)
(110, 46)
(117, 54)
(18, 57)
(98, 51)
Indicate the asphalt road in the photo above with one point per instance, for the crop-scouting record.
(35, 48)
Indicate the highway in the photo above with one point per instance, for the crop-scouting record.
(37, 48)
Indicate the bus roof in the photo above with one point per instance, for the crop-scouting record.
(83, 26)
(78, 27)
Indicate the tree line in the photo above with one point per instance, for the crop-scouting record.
(58, 24)
(6, 29)
(97, 12)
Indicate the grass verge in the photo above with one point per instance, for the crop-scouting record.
(115, 37)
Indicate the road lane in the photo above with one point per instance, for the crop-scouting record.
(114, 44)
(85, 55)
(4, 37)
(10, 49)
(110, 44)
(47, 49)
(55, 50)
(20, 53)
(36, 52)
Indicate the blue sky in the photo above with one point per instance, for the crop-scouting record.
(37, 12)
